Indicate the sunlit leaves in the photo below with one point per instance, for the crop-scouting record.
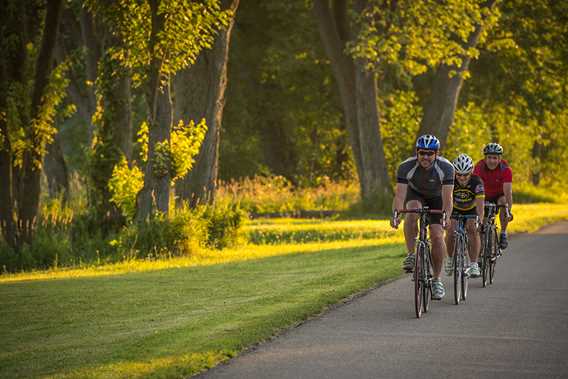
(189, 27)
(417, 35)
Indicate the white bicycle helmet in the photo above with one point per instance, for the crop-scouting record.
(493, 148)
(463, 164)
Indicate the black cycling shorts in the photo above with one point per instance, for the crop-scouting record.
(493, 200)
(432, 203)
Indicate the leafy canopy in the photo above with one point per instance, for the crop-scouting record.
(417, 35)
(189, 27)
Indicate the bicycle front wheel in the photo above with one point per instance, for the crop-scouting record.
(493, 260)
(418, 283)
(486, 258)
(427, 279)
(464, 275)
(457, 272)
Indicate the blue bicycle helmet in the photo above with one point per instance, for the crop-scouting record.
(428, 142)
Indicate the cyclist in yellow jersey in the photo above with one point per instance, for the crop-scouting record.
(469, 196)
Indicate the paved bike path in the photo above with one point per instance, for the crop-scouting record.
(517, 328)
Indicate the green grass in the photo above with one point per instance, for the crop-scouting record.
(316, 230)
(173, 322)
(173, 318)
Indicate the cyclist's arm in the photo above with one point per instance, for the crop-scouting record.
(448, 198)
(399, 196)
(508, 191)
(479, 204)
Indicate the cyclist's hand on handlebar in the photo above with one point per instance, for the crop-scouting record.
(395, 219)
(445, 223)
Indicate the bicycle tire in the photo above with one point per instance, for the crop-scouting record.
(464, 277)
(418, 285)
(493, 261)
(457, 270)
(427, 277)
(485, 260)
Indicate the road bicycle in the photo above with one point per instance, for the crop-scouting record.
(490, 249)
(461, 257)
(422, 276)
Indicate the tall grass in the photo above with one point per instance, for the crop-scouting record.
(269, 195)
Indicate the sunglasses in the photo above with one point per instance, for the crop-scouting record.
(462, 175)
(427, 153)
(492, 157)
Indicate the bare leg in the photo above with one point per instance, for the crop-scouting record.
(438, 248)
(503, 215)
(474, 241)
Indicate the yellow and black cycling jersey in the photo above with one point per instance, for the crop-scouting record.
(464, 196)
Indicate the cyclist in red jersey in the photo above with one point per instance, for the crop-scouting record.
(498, 182)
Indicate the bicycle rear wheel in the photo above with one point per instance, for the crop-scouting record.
(418, 284)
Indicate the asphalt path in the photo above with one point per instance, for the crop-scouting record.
(516, 328)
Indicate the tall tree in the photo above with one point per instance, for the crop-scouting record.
(200, 93)
(358, 92)
(27, 111)
(159, 38)
(448, 80)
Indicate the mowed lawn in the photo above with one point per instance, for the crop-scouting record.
(173, 322)
(175, 318)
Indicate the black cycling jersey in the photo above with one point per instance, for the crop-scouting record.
(464, 196)
(426, 182)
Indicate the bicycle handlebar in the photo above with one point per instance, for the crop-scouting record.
(493, 206)
(423, 210)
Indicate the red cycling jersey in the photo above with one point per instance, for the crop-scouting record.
(493, 179)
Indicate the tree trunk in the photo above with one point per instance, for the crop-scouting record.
(7, 221)
(375, 180)
(94, 44)
(210, 73)
(154, 196)
(440, 111)
(29, 191)
(113, 135)
(56, 170)
(333, 32)
(358, 93)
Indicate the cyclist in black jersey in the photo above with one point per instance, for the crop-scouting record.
(469, 196)
(426, 179)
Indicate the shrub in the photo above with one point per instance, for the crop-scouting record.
(224, 225)
(162, 237)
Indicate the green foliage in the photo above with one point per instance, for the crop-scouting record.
(283, 112)
(24, 133)
(185, 144)
(269, 195)
(162, 237)
(399, 124)
(284, 231)
(189, 27)
(224, 225)
(124, 185)
(417, 35)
